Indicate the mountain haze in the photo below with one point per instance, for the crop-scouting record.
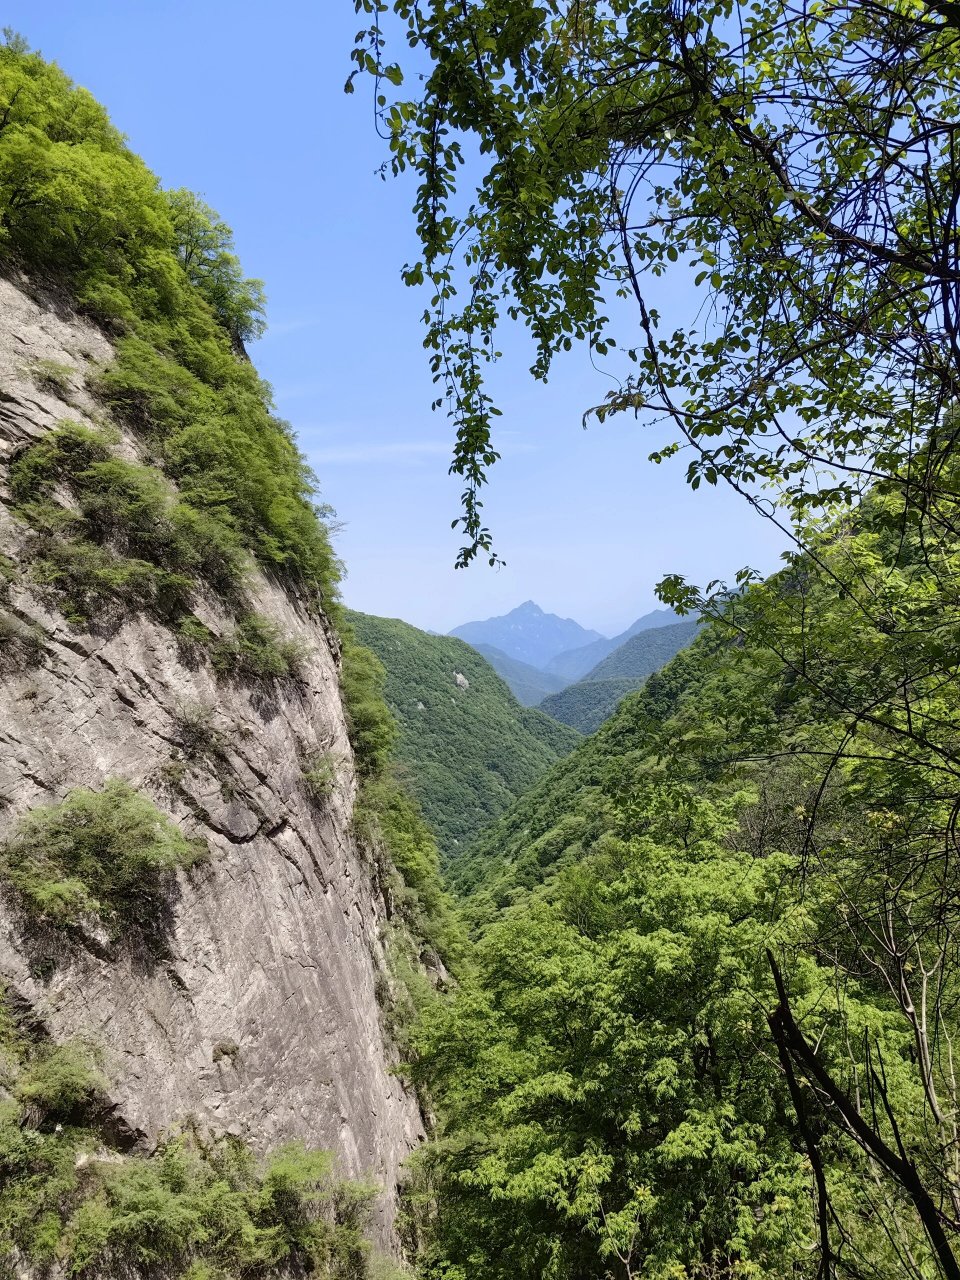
(575, 664)
(587, 703)
(528, 684)
(527, 634)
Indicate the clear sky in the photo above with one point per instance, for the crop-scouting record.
(243, 103)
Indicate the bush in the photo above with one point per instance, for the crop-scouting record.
(373, 730)
(197, 734)
(257, 648)
(21, 645)
(320, 773)
(61, 1082)
(129, 537)
(386, 816)
(203, 1211)
(190, 1211)
(52, 376)
(108, 853)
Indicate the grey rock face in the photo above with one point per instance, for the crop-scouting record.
(263, 1020)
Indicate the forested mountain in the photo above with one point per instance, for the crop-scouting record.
(696, 1012)
(527, 633)
(664, 916)
(468, 747)
(529, 685)
(586, 704)
(576, 664)
(646, 652)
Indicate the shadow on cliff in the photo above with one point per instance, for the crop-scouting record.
(143, 944)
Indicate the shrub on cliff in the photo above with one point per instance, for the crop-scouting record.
(158, 269)
(108, 853)
(126, 537)
(198, 1209)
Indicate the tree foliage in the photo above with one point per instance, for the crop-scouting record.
(808, 734)
(79, 209)
(799, 160)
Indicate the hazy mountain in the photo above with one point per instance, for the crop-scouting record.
(587, 703)
(573, 664)
(468, 747)
(528, 634)
(529, 684)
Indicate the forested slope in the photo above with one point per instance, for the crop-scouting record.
(613, 1081)
(586, 704)
(529, 685)
(576, 664)
(468, 746)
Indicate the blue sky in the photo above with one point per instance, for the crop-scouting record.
(243, 102)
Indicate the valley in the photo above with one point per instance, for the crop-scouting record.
(332, 946)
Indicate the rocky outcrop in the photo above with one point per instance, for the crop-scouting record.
(262, 1018)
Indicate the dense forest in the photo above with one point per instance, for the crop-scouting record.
(712, 1026)
(467, 749)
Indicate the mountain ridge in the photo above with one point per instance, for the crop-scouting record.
(587, 703)
(468, 746)
(576, 664)
(528, 684)
(527, 634)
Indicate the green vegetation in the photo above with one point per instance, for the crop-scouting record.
(52, 376)
(257, 649)
(106, 853)
(794, 1113)
(696, 948)
(127, 537)
(195, 1208)
(158, 268)
(645, 652)
(467, 750)
(389, 824)
(783, 236)
(320, 773)
(529, 685)
(586, 704)
(21, 644)
(373, 730)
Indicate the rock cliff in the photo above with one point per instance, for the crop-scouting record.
(261, 1019)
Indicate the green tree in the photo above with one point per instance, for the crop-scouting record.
(204, 246)
(798, 160)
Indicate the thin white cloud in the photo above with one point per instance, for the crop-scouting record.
(280, 328)
(392, 451)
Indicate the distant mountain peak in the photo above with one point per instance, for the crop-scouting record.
(527, 634)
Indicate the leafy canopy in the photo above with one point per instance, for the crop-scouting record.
(798, 160)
